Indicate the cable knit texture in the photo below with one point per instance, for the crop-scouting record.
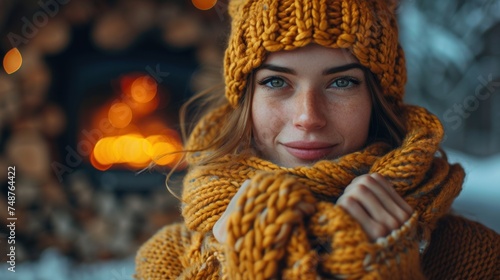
(286, 225)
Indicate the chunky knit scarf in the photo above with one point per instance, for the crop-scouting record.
(287, 224)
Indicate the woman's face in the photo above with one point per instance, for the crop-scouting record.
(309, 104)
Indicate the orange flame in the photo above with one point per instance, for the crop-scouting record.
(204, 4)
(143, 89)
(136, 150)
(142, 109)
(12, 61)
(127, 138)
(120, 115)
(140, 92)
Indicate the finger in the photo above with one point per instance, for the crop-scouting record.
(220, 227)
(377, 203)
(382, 189)
(354, 182)
(373, 229)
(392, 192)
(384, 208)
(232, 204)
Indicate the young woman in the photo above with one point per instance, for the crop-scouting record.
(310, 166)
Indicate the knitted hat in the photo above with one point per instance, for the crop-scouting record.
(367, 28)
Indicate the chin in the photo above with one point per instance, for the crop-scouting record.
(295, 163)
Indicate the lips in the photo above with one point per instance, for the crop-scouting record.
(309, 151)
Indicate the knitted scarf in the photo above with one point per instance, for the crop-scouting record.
(287, 224)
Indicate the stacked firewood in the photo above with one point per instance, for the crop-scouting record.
(181, 25)
(76, 216)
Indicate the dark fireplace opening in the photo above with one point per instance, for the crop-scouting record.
(122, 109)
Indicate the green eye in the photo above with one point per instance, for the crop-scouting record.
(342, 83)
(345, 82)
(275, 82)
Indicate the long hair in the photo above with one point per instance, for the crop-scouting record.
(385, 124)
(235, 135)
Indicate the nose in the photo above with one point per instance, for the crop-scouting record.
(309, 113)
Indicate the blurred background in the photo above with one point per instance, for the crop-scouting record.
(90, 92)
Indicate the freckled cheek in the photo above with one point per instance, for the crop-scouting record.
(350, 119)
(266, 126)
(357, 126)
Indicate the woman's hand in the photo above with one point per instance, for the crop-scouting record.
(220, 227)
(373, 202)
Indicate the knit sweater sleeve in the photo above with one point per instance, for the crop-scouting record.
(462, 249)
(349, 254)
(159, 257)
(175, 252)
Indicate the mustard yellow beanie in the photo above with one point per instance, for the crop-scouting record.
(367, 28)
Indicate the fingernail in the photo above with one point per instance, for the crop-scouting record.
(219, 229)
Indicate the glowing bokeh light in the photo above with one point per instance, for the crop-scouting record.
(130, 136)
(133, 149)
(126, 82)
(97, 165)
(136, 151)
(12, 61)
(204, 4)
(120, 115)
(143, 89)
(101, 151)
(142, 109)
(162, 153)
(153, 139)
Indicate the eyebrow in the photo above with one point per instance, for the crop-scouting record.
(342, 68)
(328, 71)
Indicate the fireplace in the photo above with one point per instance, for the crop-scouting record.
(123, 111)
